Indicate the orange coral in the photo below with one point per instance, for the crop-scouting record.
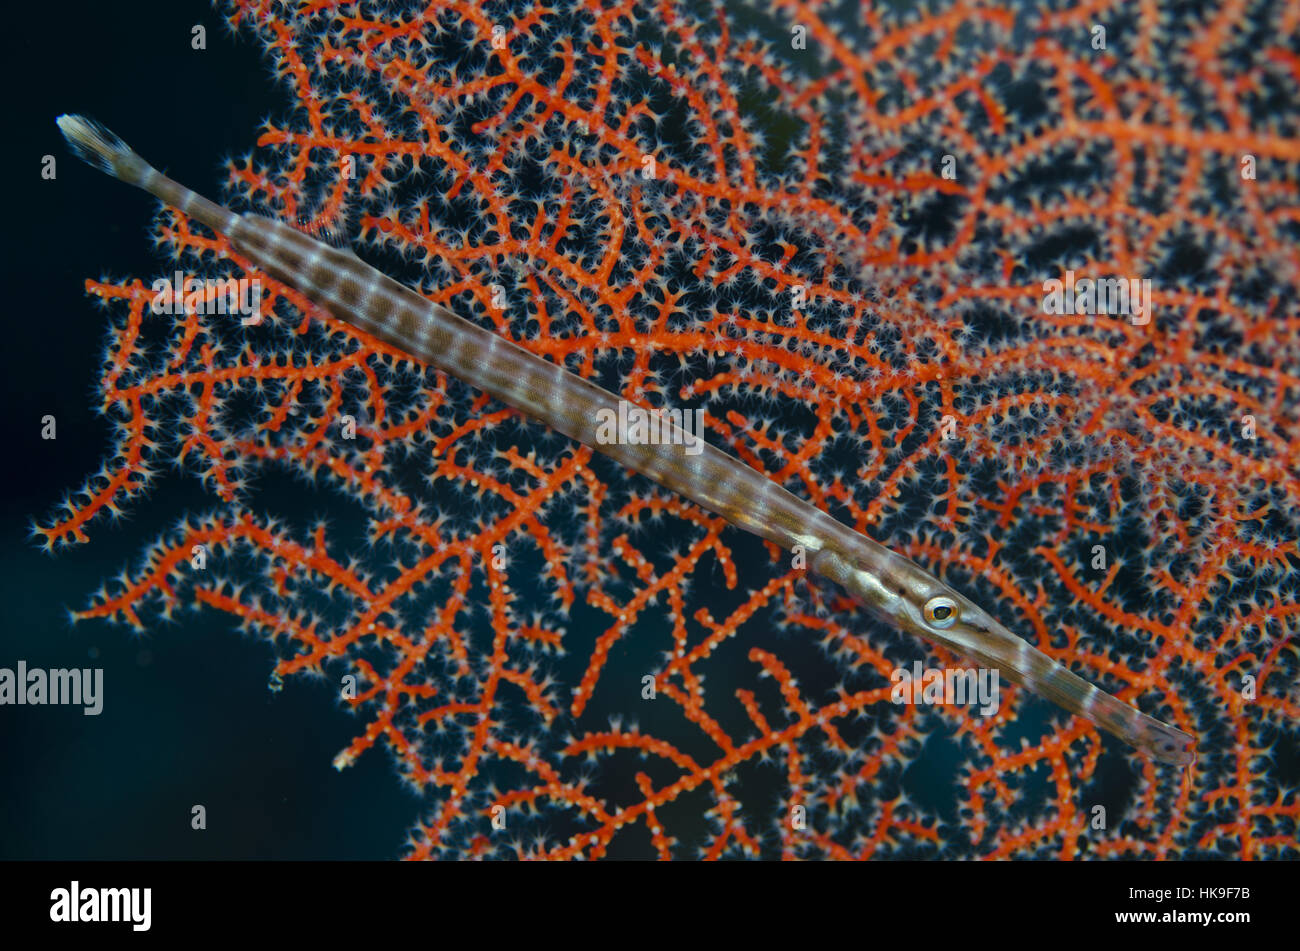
(837, 241)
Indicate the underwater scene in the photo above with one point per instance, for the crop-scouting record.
(655, 430)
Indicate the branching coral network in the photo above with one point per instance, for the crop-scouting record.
(831, 227)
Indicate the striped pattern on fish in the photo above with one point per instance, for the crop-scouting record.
(888, 583)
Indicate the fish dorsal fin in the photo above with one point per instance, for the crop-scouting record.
(333, 232)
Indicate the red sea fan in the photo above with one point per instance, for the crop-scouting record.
(835, 229)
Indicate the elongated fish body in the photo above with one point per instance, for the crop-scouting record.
(889, 584)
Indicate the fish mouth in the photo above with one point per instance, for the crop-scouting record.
(1167, 744)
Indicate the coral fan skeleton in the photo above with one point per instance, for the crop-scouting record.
(990, 427)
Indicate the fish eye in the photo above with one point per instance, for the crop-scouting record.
(940, 612)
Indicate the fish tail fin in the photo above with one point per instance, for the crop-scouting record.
(98, 146)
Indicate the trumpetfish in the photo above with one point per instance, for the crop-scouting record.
(887, 583)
